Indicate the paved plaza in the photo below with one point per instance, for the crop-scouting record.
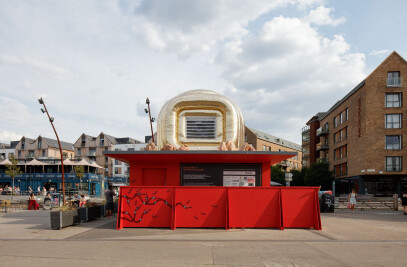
(365, 238)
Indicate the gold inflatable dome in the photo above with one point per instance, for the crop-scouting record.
(201, 119)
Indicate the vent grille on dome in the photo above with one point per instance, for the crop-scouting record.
(200, 127)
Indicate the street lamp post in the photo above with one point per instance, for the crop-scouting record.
(151, 119)
(51, 120)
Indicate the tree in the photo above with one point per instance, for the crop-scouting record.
(277, 175)
(318, 174)
(79, 171)
(298, 177)
(13, 170)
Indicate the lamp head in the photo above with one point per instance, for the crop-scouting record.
(146, 110)
(43, 111)
(147, 101)
(51, 119)
(40, 101)
(152, 119)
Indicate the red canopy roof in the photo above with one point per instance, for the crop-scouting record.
(201, 156)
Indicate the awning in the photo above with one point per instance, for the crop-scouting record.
(5, 162)
(94, 164)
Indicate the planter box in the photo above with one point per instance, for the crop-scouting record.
(103, 210)
(93, 213)
(83, 214)
(60, 219)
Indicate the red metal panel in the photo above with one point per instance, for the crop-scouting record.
(200, 207)
(300, 207)
(145, 206)
(254, 208)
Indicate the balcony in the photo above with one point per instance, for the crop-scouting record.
(305, 129)
(394, 82)
(91, 154)
(323, 160)
(322, 147)
(322, 131)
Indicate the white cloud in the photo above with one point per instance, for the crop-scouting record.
(322, 16)
(380, 53)
(6, 136)
(280, 74)
(188, 27)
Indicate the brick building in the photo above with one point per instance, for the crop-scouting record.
(267, 142)
(361, 136)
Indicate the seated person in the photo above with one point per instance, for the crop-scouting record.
(82, 201)
(32, 202)
(76, 200)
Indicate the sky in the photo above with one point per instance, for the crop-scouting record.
(95, 62)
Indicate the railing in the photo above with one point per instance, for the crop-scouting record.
(322, 131)
(323, 160)
(322, 147)
(91, 154)
(24, 176)
(394, 82)
(305, 128)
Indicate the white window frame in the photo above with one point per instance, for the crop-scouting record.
(392, 123)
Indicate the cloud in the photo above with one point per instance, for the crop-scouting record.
(322, 16)
(188, 27)
(380, 53)
(6, 136)
(278, 75)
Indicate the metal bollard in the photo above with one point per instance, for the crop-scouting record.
(396, 202)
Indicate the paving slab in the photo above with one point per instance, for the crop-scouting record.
(363, 238)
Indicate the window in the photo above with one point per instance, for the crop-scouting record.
(19, 154)
(393, 121)
(39, 144)
(393, 164)
(116, 170)
(102, 141)
(336, 121)
(200, 127)
(106, 160)
(346, 114)
(393, 100)
(116, 162)
(43, 152)
(393, 79)
(79, 152)
(393, 142)
(22, 145)
(130, 149)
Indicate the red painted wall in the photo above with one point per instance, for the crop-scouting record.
(219, 207)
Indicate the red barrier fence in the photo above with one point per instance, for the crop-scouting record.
(219, 207)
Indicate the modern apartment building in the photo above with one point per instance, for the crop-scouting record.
(267, 142)
(91, 149)
(361, 136)
(7, 150)
(310, 139)
(42, 148)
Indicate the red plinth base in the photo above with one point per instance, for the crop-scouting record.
(219, 207)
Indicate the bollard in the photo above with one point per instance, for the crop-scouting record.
(396, 202)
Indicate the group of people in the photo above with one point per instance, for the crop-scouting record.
(9, 190)
(353, 195)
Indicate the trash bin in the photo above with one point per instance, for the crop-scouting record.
(56, 199)
(327, 202)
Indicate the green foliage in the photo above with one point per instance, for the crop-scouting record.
(13, 170)
(79, 171)
(318, 174)
(298, 177)
(277, 175)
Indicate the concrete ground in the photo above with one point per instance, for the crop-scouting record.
(365, 238)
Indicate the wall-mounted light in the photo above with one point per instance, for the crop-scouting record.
(43, 111)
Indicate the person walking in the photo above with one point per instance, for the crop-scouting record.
(352, 200)
(39, 190)
(109, 201)
(404, 202)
